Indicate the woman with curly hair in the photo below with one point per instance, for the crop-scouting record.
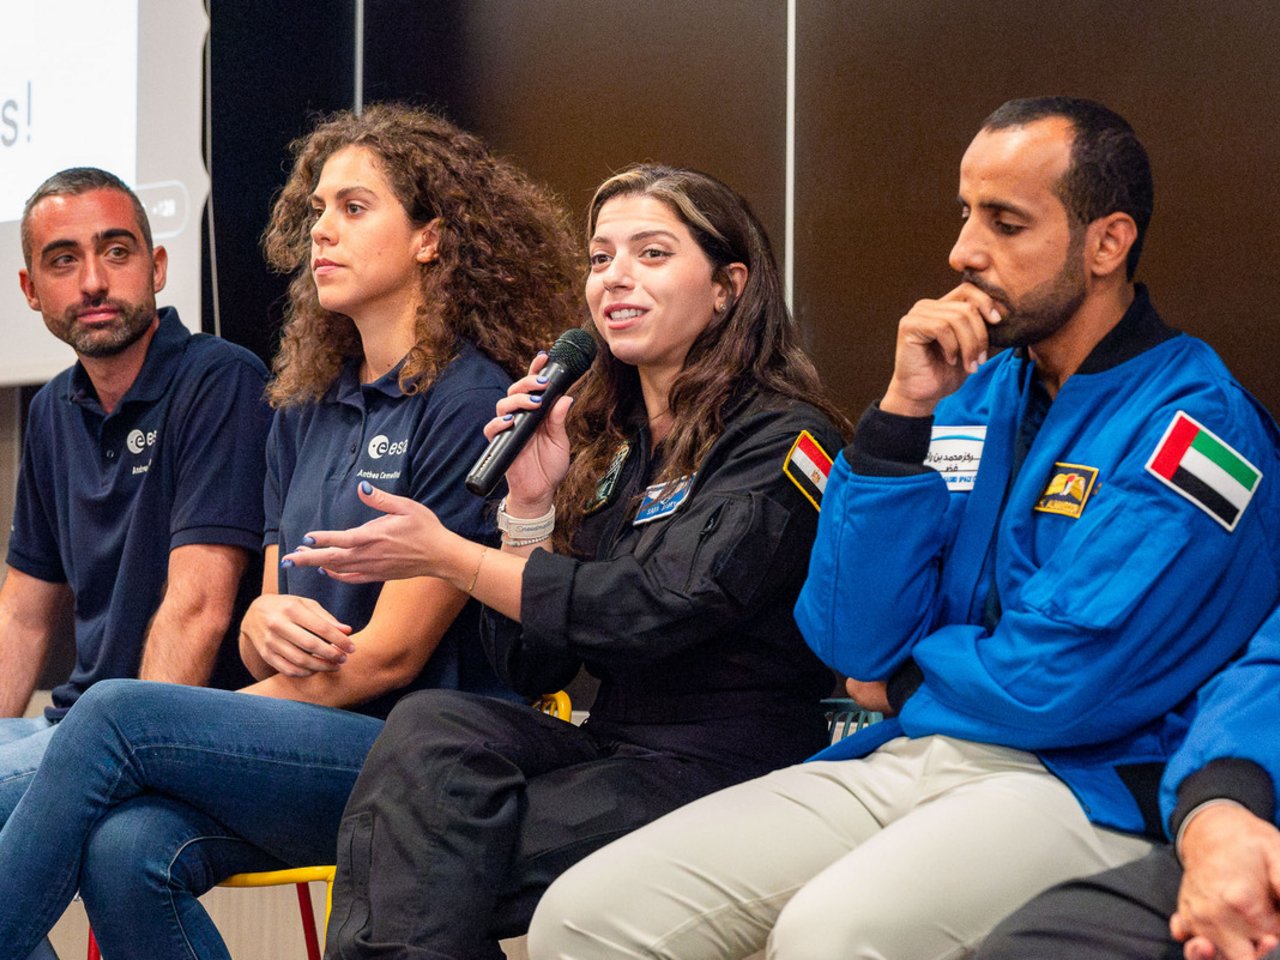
(426, 272)
(679, 533)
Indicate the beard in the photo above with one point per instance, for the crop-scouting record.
(103, 340)
(1040, 312)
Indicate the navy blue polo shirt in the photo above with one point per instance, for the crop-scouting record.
(418, 446)
(103, 498)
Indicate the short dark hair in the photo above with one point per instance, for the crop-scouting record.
(72, 182)
(1109, 169)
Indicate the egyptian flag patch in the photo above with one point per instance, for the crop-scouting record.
(1198, 465)
(808, 466)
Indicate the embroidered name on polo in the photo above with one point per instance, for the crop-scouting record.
(1196, 463)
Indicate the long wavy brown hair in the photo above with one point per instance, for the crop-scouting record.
(754, 343)
(506, 275)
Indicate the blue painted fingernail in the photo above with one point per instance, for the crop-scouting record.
(542, 353)
(366, 487)
(321, 571)
(308, 541)
(535, 397)
(509, 416)
(543, 378)
(286, 563)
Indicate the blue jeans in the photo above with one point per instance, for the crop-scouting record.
(153, 793)
(23, 741)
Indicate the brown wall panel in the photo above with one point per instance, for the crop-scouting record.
(891, 91)
(574, 90)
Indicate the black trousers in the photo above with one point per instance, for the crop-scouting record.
(468, 807)
(1120, 914)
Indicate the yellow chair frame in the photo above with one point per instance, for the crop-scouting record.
(555, 704)
(301, 878)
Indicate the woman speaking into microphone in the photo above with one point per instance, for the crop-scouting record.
(656, 532)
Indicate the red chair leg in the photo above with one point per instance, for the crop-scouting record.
(308, 927)
(308, 922)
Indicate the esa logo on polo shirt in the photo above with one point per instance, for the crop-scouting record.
(137, 441)
(380, 446)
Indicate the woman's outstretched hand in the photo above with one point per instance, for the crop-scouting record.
(408, 540)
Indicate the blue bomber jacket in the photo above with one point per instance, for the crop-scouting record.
(1233, 748)
(1127, 571)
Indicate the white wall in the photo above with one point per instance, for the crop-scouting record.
(9, 459)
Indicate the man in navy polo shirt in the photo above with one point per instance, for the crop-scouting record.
(140, 494)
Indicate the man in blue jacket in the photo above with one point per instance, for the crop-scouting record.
(1216, 889)
(1032, 557)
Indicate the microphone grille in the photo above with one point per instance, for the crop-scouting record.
(574, 350)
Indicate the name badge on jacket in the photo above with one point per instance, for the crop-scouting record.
(956, 452)
(663, 499)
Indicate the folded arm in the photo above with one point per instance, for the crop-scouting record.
(298, 651)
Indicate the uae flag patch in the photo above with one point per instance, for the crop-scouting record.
(808, 466)
(1206, 471)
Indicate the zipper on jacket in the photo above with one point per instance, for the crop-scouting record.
(708, 528)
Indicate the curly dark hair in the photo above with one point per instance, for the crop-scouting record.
(507, 268)
(1109, 170)
(753, 343)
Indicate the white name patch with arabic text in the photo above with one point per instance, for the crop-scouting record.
(955, 452)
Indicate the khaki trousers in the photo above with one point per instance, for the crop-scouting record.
(912, 853)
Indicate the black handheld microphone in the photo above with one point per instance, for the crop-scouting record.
(569, 359)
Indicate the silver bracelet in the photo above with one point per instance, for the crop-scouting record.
(518, 531)
(526, 542)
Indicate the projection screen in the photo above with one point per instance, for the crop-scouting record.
(106, 83)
